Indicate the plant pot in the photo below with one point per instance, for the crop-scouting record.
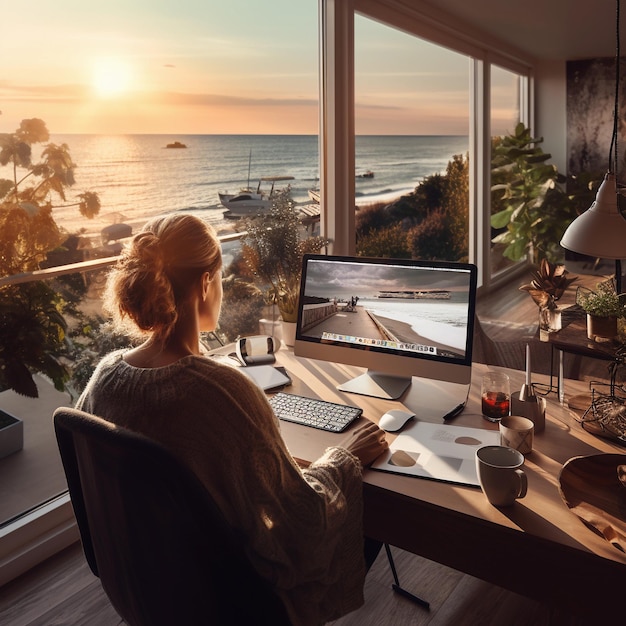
(11, 434)
(602, 327)
(288, 332)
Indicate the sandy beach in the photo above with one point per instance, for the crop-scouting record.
(404, 332)
(359, 323)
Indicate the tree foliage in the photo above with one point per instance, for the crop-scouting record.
(32, 328)
(429, 223)
(530, 205)
(388, 242)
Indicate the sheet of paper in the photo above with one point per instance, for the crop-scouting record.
(437, 451)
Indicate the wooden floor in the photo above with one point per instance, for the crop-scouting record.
(62, 591)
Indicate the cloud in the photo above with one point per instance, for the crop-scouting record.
(43, 93)
(80, 94)
(190, 99)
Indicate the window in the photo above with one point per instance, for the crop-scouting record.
(505, 113)
(412, 112)
(340, 112)
(251, 70)
(162, 106)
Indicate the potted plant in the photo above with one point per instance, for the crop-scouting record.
(548, 283)
(603, 308)
(273, 247)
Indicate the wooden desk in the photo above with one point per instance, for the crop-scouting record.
(537, 547)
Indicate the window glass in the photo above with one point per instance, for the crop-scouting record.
(411, 145)
(504, 116)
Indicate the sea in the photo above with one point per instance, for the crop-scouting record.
(137, 177)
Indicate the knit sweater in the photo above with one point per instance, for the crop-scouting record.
(304, 526)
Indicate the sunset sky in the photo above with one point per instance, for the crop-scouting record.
(208, 66)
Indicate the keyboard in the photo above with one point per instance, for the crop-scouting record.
(315, 413)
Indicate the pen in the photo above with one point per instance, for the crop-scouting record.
(454, 412)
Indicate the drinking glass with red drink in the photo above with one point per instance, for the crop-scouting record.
(495, 396)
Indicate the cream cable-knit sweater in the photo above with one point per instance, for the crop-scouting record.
(304, 525)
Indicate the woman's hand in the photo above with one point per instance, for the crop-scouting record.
(366, 441)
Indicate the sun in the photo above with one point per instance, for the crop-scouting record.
(111, 76)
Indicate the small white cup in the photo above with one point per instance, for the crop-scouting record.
(499, 474)
(517, 432)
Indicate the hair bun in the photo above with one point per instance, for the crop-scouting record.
(148, 252)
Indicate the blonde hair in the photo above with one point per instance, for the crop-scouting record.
(153, 280)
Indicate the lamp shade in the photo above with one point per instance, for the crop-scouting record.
(601, 230)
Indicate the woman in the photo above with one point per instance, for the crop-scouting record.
(304, 525)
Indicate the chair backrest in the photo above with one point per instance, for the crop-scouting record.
(152, 533)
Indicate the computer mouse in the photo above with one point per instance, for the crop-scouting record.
(395, 419)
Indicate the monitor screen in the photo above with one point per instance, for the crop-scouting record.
(398, 318)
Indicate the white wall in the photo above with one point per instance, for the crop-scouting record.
(551, 110)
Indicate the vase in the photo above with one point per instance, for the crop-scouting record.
(549, 321)
(599, 328)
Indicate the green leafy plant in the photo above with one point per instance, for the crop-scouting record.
(273, 247)
(604, 302)
(529, 203)
(32, 328)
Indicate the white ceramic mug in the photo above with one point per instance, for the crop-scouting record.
(499, 474)
(517, 432)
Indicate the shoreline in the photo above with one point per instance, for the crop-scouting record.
(405, 332)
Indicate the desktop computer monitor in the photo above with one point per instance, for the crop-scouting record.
(398, 318)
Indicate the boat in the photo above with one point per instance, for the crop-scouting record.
(249, 202)
(368, 174)
(176, 144)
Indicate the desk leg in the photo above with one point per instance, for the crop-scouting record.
(396, 586)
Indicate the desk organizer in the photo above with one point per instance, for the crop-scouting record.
(534, 408)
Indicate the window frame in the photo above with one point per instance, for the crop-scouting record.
(337, 117)
(48, 530)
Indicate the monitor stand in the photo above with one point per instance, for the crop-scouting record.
(377, 385)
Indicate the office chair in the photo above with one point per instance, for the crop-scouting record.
(152, 533)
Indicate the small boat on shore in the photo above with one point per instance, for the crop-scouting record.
(176, 144)
(249, 202)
